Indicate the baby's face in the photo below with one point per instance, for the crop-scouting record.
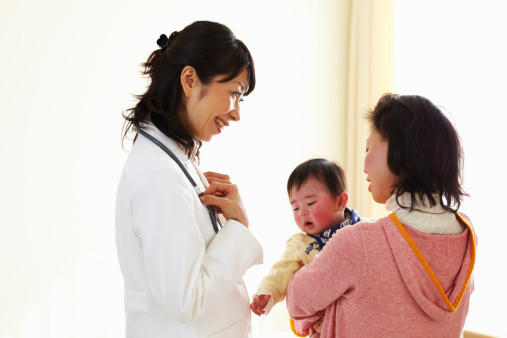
(315, 209)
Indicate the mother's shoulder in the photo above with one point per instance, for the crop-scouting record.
(370, 224)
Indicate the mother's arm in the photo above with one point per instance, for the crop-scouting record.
(183, 275)
(333, 273)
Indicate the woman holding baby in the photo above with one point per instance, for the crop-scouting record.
(408, 274)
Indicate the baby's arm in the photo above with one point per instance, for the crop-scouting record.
(273, 287)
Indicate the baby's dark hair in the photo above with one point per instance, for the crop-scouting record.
(329, 173)
(424, 149)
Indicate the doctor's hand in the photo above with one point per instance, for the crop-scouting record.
(226, 197)
(217, 177)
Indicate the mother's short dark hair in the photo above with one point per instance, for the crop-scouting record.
(424, 149)
(212, 50)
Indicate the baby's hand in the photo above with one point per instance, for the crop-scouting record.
(259, 303)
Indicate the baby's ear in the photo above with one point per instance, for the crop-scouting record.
(342, 200)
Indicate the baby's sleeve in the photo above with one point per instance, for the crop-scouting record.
(277, 280)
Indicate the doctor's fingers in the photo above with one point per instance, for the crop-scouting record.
(217, 177)
(230, 202)
(231, 208)
(223, 189)
(217, 180)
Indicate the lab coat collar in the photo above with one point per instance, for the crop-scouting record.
(178, 150)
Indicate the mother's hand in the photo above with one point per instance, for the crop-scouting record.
(226, 197)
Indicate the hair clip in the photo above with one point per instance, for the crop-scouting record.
(163, 41)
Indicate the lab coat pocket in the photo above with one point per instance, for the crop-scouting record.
(137, 301)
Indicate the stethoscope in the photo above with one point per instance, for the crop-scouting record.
(211, 212)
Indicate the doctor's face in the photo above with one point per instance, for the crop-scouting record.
(214, 105)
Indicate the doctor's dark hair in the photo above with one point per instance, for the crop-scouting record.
(329, 173)
(424, 149)
(212, 50)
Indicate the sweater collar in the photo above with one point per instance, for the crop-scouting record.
(423, 217)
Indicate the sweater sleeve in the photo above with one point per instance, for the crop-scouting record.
(183, 275)
(280, 273)
(334, 272)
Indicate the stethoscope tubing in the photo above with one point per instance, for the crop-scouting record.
(185, 171)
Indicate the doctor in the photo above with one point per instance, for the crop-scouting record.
(182, 267)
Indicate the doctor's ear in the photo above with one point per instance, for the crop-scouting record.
(190, 82)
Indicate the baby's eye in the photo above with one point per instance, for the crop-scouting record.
(312, 203)
(367, 149)
(295, 209)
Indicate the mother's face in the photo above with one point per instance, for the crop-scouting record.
(375, 166)
(210, 108)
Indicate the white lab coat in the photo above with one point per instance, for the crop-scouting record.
(181, 279)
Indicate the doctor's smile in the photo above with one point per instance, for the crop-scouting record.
(220, 124)
(210, 107)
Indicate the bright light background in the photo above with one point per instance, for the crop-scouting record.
(68, 69)
(454, 53)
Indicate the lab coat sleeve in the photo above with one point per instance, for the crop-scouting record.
(182, 274)
(336, 270)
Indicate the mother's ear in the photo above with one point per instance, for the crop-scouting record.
(190, 82)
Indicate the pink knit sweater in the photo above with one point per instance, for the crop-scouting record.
(371, 283)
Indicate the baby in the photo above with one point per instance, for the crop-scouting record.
(317, 195)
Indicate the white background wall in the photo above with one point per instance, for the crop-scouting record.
(454, 53)
(68, 70)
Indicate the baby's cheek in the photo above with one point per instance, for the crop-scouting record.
(323, 215)
(297, 221)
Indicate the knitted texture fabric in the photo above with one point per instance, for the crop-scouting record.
(370, 283)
